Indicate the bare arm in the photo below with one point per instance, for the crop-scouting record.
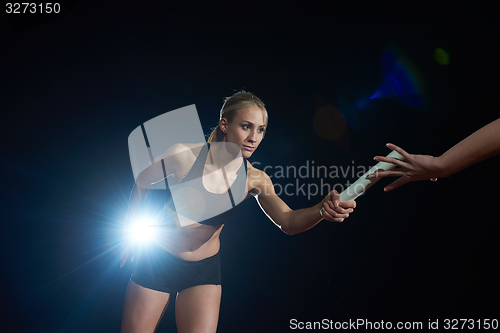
(478, 146)
(296, 221)
(137, 197)
(175, 161)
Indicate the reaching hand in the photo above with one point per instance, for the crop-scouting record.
(414, 167)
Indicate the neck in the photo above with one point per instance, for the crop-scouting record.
(222, 153)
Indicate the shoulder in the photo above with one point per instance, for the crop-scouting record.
(253, 172)
(179, 152)
(180, 148)
(259, 181)
(180, 157)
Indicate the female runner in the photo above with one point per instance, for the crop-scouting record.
(185, 262)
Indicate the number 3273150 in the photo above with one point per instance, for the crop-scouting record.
(32, 8)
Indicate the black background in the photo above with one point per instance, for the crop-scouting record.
(74, 85)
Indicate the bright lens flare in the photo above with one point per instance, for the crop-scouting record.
(142, 230)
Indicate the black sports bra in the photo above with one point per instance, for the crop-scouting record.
(193, 202)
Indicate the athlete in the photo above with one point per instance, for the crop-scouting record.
(206, 181)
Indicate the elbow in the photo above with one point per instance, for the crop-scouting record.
(287, 230)
(287, 226)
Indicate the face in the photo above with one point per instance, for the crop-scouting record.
(246, 130)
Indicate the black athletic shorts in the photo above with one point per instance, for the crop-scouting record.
(159, 270)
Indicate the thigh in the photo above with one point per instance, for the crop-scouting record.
(143, 309)
(197, 309)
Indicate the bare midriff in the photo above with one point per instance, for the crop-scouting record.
(193, 243)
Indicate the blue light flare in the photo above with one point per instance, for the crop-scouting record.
(401, 80)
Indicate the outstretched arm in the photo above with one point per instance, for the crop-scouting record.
(296, 221)
(480, 145)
